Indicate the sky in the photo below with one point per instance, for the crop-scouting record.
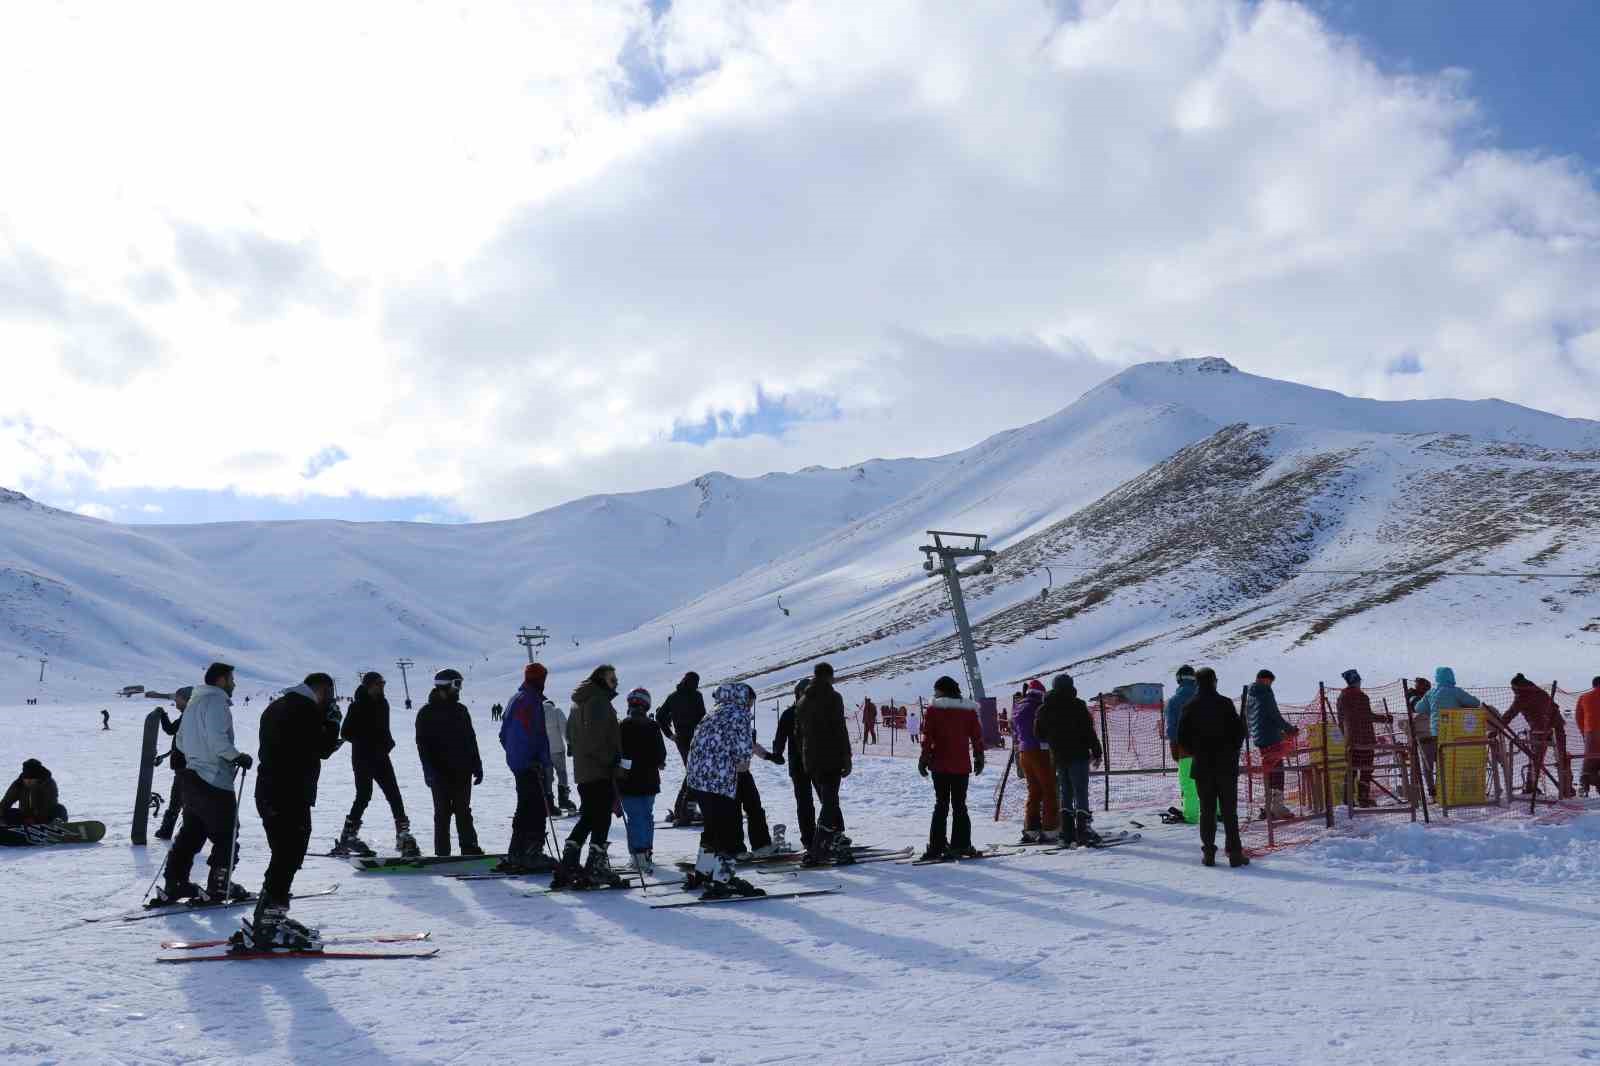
(457, 263)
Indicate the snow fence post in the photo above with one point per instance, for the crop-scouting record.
(1416, 754)
(1105, 747)
(1327, 767)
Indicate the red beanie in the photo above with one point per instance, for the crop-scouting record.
(534, 675)
(1036, 685)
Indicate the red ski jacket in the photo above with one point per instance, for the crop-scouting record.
(951, 736)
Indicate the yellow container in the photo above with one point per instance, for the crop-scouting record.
(1337, 766)
(1462, 771)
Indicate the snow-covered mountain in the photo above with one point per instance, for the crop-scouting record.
(1185, 510)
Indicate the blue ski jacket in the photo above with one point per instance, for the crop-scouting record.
(522, 731)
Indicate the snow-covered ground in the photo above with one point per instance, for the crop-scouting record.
(1409, 944)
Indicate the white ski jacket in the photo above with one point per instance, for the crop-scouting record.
(555, 727)
(205, 736)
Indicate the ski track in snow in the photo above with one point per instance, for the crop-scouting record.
(1437, 945)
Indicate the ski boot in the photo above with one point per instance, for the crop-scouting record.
(404, 842)
(780, 843)
(569, 874)
(469, 851)
(1032, 836)
(220, 890)
(1208, 855)
(1086, 836)
(842, 853)
(725, 884)
(172, 892)
(599, 868)
(644, 863)
(271, 929)
(705, 867)
(1238, 858)
(1068, 837)
(935, 853)
(565, 802)
(962, 851)
(822, 850)
(349, 844)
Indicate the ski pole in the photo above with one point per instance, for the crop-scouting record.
(233, 852)
(549, 824)
(152, 885)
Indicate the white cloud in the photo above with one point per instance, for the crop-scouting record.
(96, 510)
(504, 283)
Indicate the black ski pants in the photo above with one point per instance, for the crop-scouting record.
(950, 796)
(377, 770)
(721, 835)
(749, 800)
(595, 800)
(830, 818)
(1219, 790)
(805, 807)
(209, 813)
(288, 830)
(527, 825)
(452, 798)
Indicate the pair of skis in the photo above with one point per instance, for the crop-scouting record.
(197, 950)
(187, 908)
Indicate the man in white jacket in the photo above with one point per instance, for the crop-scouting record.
(205, 737)
(555, 727)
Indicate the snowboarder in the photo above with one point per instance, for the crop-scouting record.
(105, 721)
(1545, 724)
(1273, 736)
(1211, 732)
(721, 750)
(33, 798)
(825, 749)
(786, 747)
(1589, 726)
(683, 710)
(555, 729)
(366, 729)
(175, 761)
(1356, 721)
(299, 730)
(952, 751)
(1041, 817)
(1422, 729)
(594, 737)
(448, 747)
(527, 748)
(1188, 797)
(869, 721)
(1065, 725)
(210, 809)
(644, 756)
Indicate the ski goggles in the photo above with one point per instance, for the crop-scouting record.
(452, 683)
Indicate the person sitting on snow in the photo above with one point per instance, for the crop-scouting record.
(34, 796)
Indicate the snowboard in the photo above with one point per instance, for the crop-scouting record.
(743, 899)
(428, 864)
(47, 833)
(147, 773)
(251, 956)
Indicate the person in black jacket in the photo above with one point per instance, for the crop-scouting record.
(448, 747)
(825, 747)
(1211, 731)
(644, 756)
(175, 763)
(299, 729)
(1065, 724)
(366, 730)
(679, 716)
(785, 739)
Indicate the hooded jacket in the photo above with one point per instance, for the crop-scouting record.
(1023, 718)
(1443, 696)
(952, 739)
(205, 736)
(1175, 705)
(723, 741)
(296, 735)
(593, 735)
(446, 742)
(824, 736)
(1211, 732)
(642, 745)
(1267, 724)
(1065, 725)
(522, 731)
(366, 727)
(36, 802)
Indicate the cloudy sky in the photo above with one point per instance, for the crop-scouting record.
(471, 260)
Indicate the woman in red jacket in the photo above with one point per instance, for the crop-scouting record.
(952, 749)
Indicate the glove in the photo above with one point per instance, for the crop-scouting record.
(335, 715)
(922, 767)
(775, 758)
(244, 761)
(477, 777)
(977, 763)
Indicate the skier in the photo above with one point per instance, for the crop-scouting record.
(825, 748)
(594, 737)
(1211, 732)
(723, 743)
(1356, 721)
(1589, 726)
(175, 762)
(1189, 799)
(555, 729)
(366, 728)
(785, 739)
(527, 748)
(1422, 729)
(683, 710)
(448, 747)
(34, 796)
(1064, 724)
(952, 751)
(210, 810)
(869, 722)
(105, 721)
(299, 730)
(1545, 724)
(644, 756)
(1041, 816)
(1273, 736)
(495, 712)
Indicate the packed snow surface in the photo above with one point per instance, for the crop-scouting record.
(1448, 944)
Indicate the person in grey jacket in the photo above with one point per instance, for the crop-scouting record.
(555, 727)
(210, 810)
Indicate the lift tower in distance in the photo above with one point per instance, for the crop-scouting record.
(948, 557)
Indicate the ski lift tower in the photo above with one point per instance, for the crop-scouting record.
(949, 556)
(537, 637)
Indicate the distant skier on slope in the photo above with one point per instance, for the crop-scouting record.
(366, 729)
(682, 711)
(1210, 730)
(1545, 725)
(33, 798)
(786, 747)
(869, 721)
(644, 756)
(1064, 723)
(1358, 723)
(594, 736)
(175, 762)
(451, 764)
(555, 730)
(1041, 817)
(527, 748)
(952, 751)
(210, 810)
(105, 721)
(721, 750)
(1273, 736)
(825, 740)
(299, 730)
